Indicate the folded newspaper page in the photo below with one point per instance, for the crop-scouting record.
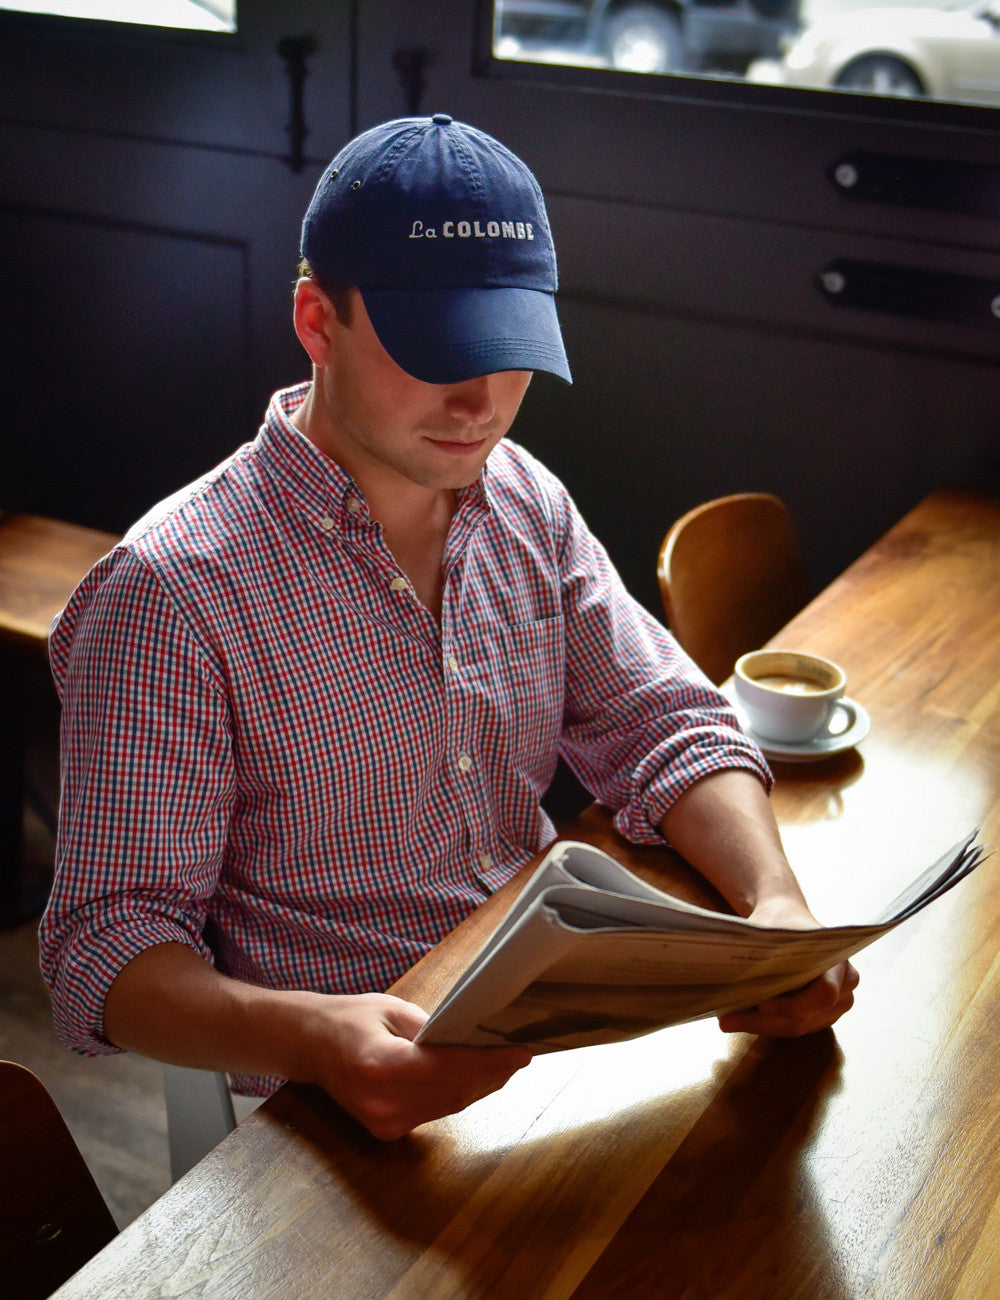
(589, 953)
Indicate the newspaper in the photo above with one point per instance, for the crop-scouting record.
(589, 953)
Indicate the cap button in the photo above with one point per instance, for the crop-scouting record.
(442, 119)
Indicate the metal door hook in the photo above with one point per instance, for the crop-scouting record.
(295, 50)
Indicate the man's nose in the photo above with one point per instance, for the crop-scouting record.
(472, 401)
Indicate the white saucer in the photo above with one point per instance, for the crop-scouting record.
(843, 734)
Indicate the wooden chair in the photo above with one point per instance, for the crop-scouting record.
(41, 561)
(731, 576)
(52, 1215)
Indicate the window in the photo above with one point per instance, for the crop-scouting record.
(196, 15)
(916, 50)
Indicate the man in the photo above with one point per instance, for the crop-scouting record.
(312, 702)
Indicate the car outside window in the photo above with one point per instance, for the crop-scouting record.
(902, 48)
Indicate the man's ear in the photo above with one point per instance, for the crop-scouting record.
(314, 318)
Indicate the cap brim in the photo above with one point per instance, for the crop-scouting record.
(445, 336)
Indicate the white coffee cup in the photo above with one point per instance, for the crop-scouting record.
(786, 695)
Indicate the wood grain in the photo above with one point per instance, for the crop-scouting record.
(41, 561)
(690, 1163)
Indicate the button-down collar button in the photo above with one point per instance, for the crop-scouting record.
(398, 584)
(464, 762)
(353, 506)
(326, 523)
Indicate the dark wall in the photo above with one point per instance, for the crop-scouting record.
(849, 436)
(123, 370)
(150, 204)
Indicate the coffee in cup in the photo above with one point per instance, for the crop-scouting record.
(786, 695)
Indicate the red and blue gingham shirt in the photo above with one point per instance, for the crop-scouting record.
(274, 753)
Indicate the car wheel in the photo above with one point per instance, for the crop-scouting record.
(880, 74)
(642, 38)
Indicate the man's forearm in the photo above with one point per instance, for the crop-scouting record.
(724, 827)
(170, 1004)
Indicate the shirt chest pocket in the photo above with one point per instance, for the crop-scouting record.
(528, 674)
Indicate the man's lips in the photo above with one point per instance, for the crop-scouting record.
(456, 448)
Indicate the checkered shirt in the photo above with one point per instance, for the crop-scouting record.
(274, 753)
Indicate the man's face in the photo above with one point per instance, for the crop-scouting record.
(380, 420)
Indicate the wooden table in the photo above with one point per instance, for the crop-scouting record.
(41, 561)
(857, 1164)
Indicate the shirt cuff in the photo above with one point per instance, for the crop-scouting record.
(89, 964)
(661, 780)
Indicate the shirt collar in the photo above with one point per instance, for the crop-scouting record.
(326, 493)
(328, 496)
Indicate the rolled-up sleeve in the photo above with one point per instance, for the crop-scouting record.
(147, 784)
(642, 722)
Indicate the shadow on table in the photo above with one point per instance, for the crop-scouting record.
(729, 1213)
(734, 1206)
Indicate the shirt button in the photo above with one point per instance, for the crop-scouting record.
(326, 523)
(485, 861)
(452, 663)
(353, 505)
(398, 584)
(464, 762)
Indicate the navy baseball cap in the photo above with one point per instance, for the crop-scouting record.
(444, 232)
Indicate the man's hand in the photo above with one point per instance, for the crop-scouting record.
(366, 1060)
(817, 1005)
(169, 1003)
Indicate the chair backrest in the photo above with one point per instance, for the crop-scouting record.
(53, 1218)
(731, 576)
